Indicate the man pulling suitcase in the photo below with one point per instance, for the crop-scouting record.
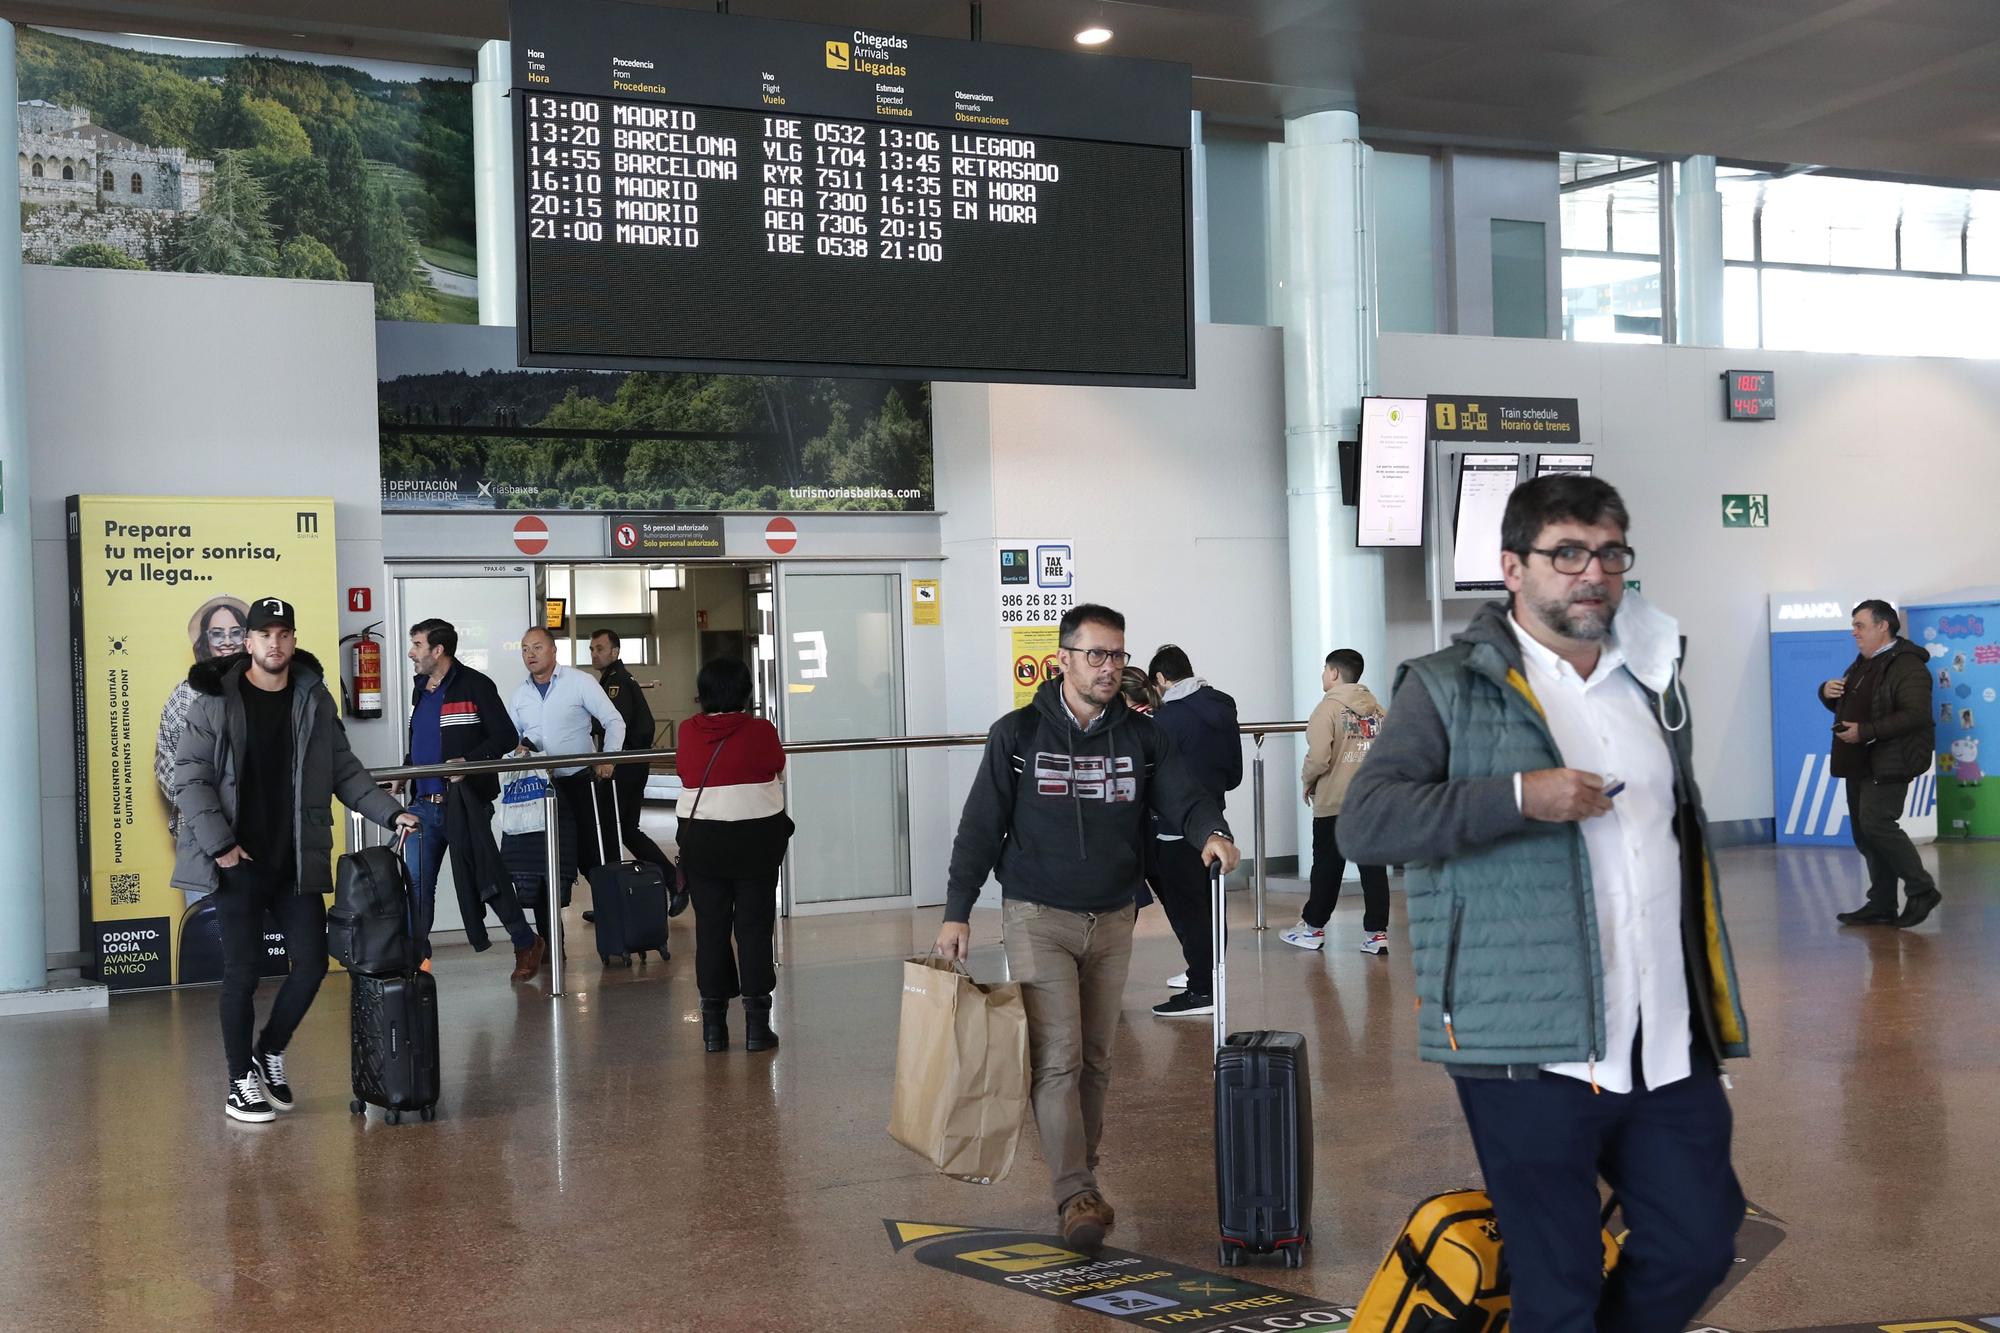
(1060, 809)
(255, 775)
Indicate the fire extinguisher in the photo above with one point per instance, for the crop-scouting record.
(364, 696)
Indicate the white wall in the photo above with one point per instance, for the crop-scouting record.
(177, 384)
(1871, 466)
(1175, 500)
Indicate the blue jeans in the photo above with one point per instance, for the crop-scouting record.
(424, 854)
(1542, 1144)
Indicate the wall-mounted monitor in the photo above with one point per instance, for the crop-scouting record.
(1484, 483)
(1548, 465)
(719, 192)
(1390, 511)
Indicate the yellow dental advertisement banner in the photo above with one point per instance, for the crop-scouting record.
(158, 583)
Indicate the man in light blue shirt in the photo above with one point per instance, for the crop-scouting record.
(553, 709)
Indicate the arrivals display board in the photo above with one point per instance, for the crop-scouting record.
(1390, 509)
(702, 191)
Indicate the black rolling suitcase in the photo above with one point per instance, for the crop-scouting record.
(1263, 1127)
(392, 1011)
(629, 897)
(395, 1027)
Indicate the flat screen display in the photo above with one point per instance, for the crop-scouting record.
(1390, 498)
(1576, 464)
(716, 192)
(1484, 483)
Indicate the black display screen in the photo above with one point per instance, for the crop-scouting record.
(792, 213)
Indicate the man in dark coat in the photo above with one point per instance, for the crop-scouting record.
(256, 771)
(1883, 738)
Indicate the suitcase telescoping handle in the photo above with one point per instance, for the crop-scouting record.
(597, 816)
(1218, 934)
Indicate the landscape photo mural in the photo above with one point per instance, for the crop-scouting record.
(464, 427)
(197, 157)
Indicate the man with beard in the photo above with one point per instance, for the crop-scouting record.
(1573, 970)
(1060, 810)
(258, 767)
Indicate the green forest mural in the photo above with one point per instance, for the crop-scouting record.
(251, 164)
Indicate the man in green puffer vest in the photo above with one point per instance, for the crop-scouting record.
(1573, 971)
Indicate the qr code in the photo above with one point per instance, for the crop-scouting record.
(124, 890)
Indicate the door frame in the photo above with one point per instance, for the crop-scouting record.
(397, 641)
(783, 573)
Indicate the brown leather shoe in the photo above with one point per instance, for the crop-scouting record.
(1085, 1219)
(528, 961)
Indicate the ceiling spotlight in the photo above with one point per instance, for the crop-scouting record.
(1093, 37)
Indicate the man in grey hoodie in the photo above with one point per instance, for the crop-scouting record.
(1061, 810)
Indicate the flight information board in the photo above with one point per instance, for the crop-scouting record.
(715, 192)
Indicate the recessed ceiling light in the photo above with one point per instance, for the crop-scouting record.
(1093, 36)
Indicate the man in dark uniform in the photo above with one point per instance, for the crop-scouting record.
(630, 780)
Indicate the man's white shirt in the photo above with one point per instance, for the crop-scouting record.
(1604, 725)
(559, 723)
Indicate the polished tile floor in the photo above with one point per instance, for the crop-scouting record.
(592, 1168)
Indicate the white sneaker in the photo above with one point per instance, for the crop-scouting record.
(1177, 982)
(1306, 937)
(1375, 941)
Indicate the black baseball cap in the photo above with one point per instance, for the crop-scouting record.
(268, 611)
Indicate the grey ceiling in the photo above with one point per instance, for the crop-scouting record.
(1899, 86)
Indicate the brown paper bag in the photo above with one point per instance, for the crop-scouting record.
(961, 1071)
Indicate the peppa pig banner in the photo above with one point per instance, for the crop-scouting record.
(1963, 640)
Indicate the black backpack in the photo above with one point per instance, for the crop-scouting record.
(369, 928)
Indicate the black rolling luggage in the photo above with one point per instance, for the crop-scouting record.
(1263, 1127)
(629, 897)
(395, 1031)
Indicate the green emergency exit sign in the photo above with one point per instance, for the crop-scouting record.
(1746, 511)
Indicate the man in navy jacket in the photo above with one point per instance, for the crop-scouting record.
(1200, 720)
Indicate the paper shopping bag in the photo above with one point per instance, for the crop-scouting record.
(961, 1071)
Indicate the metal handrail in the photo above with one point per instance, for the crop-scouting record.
(537, 762)
(551, 813)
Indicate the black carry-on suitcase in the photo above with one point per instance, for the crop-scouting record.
(629, 897)
(395, 1060)
(1263, 1126)
(392, 1011)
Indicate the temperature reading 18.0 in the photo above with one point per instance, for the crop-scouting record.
(1750, 395)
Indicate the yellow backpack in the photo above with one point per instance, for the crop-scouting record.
(1446, 1273)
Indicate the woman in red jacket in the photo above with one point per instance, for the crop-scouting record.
(733, 831)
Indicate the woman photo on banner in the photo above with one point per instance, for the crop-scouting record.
(214, 630)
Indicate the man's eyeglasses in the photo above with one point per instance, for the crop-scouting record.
(1097, 657)
(1570, 559)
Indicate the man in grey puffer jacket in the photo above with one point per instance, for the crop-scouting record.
(255, 775)
(1572, 965)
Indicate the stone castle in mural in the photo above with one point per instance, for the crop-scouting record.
(82, 183)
